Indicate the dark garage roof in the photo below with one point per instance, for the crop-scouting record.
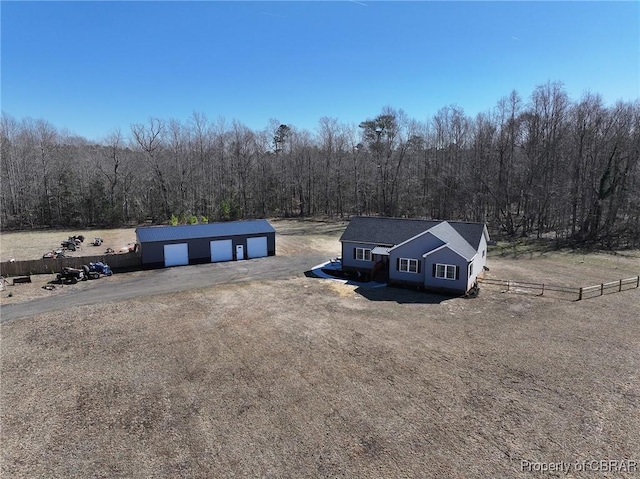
(393, 231)
(151, 234)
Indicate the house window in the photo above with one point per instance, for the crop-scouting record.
(363, 254)
(409, 265)
(470, 270)
(483, 253)
(445, 271)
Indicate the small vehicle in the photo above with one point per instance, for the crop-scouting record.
(97, 241)
(71, 275)
(88, 274)
(100, 268)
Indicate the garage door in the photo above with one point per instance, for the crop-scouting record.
(257, 247)
(176, 254)
(221, 250)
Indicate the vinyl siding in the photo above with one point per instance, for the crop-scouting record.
(348, 256)
(478, 262)
(414, 250)
(446, 256)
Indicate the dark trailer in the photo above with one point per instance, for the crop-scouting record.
(205, 243)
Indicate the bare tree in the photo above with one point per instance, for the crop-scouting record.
(547, 167)
(149, 139)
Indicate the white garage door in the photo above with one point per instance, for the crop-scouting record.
(221, 250)
(257, 247)
(176, 254)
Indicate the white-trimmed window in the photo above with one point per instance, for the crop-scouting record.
(445, 271)
(408, 265)
(362, 254)
(470, 270)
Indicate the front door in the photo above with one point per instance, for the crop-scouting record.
(239, 252)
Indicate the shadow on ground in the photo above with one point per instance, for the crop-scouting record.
(380, 292)
(401, 295)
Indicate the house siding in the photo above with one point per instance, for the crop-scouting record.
(479, 261)
(349, 263)
(446, 256)
(414, 250)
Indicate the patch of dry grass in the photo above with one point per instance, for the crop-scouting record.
(26, 245)
(296, 379)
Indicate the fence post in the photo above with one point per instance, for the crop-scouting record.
(638, 282)
(542, 294)
(620, 286)
(580, 294)
(507, 285)
(601, 289)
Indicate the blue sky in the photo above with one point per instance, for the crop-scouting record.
(93, 67)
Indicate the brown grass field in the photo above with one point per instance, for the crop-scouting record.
(20, 245)
(314, 378)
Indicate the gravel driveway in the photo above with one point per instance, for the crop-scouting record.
(162, 281)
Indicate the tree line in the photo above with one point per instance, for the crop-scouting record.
(546, 166)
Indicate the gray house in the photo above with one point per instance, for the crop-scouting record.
(205, 243)
(443, 256)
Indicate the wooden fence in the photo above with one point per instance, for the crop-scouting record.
(610, 287)
(117, 262)
(576, 293)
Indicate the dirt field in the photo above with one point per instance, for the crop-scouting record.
(33, 244)
(306, 377)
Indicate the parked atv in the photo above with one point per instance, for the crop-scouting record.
(71, 275)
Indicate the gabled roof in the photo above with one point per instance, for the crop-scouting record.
(150, 234)
(461, 236)
(384, 231)
(453, 240)
(471, 232)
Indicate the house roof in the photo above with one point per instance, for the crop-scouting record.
(384, 231)
(383, 250)
(150, 234)
(461, 236)
(454, 240)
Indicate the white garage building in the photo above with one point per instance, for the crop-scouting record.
(165, 246)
